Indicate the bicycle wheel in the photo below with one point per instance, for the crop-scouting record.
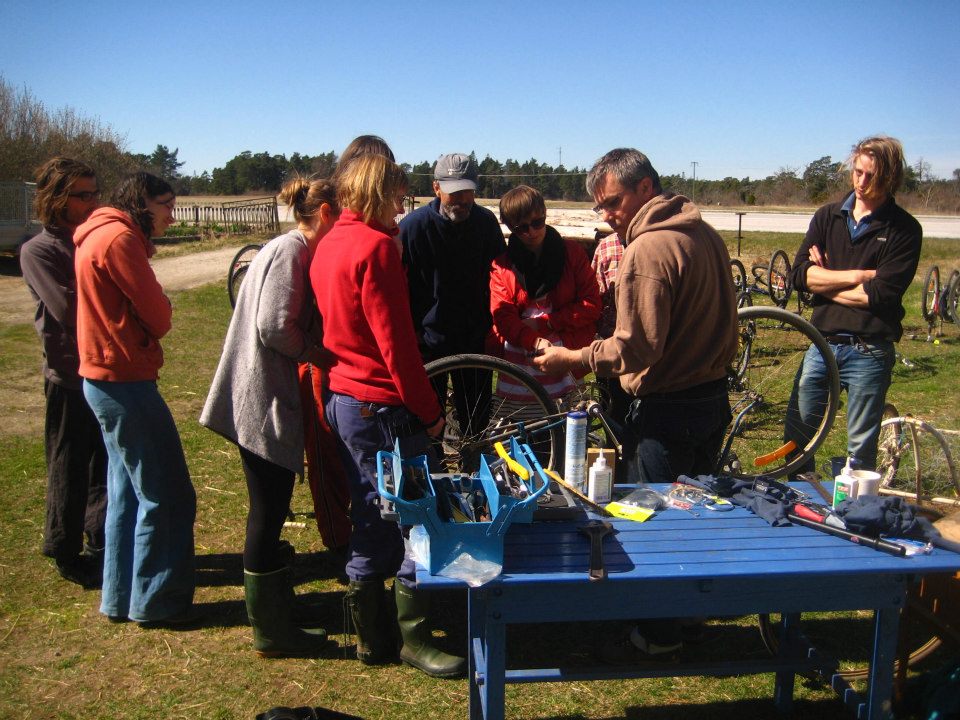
(238, 270)
(952, 298)
(778, 279)
(478, 416)
(847, 637)
(773, 343)
(739, 275)
(930, 300)
(920, 466)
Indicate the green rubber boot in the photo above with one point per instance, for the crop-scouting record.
(418, 650)
(369, 611)
(270, 612)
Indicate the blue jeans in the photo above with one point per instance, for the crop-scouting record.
(363, 429)
(865, 372)
(148, 568)
(678, 433)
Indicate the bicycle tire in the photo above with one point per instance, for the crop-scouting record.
(238, 270)
(739, 275)
(930, 300)
(778, 279)
(774, 342)
(495, 418)
(888, 446)
(923, 470)
(952, 298)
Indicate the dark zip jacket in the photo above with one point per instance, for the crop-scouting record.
(448, 270)
(890, 245)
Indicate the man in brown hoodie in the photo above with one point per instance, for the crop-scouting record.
(675, 335)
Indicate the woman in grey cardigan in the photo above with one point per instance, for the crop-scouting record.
(254, 401)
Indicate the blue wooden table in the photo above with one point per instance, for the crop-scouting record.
(679, 565)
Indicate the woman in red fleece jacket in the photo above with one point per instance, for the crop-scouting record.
(542, 292)
(148, 569)
(378, 393)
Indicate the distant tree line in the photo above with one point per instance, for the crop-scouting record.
(30, 134)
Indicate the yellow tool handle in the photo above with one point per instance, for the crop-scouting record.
(514, 466)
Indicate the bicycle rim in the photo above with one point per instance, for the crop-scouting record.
(773, 343)
(778, 278)
(490, 417)
(931, 294)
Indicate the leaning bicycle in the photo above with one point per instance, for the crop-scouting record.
(940, 302)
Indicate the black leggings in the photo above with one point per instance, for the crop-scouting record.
(270, 488)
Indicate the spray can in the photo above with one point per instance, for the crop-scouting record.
(575, 459)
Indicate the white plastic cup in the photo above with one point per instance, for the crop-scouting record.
(868, 482)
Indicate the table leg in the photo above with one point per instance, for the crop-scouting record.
(486, 660)
(880, 684)
(789, 640)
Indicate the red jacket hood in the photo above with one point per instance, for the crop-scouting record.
(106, 216)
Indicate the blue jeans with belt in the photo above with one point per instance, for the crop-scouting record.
(865, 373)
(363, 429)
(148, 564)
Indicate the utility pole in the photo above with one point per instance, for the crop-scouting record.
(693, 188)
(560, 156)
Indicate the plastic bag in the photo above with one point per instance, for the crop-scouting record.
(464, 566)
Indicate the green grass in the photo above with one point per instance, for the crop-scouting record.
(60, 659)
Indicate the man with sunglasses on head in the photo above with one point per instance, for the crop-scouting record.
(675, 336)
(448, 247)
(76, 504)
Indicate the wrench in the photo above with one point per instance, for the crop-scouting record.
(596, 530)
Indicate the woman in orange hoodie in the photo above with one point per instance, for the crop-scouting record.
(122, 313)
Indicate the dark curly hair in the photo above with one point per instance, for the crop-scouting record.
(131, 197)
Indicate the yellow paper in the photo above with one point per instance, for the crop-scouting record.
(628, 512)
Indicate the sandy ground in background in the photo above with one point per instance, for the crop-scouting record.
(189, 271)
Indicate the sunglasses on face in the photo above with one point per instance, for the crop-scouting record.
(86, 195)
(524, 228)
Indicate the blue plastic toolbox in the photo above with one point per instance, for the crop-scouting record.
(483, 539)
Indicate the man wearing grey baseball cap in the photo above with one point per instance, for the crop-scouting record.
(448, 247)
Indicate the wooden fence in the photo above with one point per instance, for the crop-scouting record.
(236, 216)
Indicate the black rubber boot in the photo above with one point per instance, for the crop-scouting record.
(418, 650)
(270, 611)
(368, 606)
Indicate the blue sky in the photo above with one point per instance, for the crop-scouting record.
(740, 88)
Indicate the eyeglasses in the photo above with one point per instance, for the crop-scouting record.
(524, 228)
(86, 195)
(608, 205)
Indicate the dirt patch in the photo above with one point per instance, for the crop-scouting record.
(174, 273)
